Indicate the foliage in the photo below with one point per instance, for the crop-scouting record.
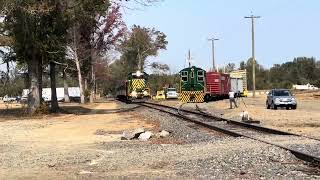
(142, 43)
(160, 81)
(228, 68)
(159, 68)
(14, 86)
(301, 70)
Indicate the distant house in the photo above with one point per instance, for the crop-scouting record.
(304, 87)
(74, 92)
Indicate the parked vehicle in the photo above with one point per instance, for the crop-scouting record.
(160, 95)
(172, 93)
(281, 98)
(6, 98)
(237, 87)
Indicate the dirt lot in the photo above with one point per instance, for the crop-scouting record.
(29, 144)
(304, 120)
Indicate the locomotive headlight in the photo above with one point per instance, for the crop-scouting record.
(138, 73)
(145, 93)
(134, 93)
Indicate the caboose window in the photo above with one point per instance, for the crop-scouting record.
(184, 76)
(200, 76)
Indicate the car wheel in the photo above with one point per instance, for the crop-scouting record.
(287, 108)
(267, 104)
(273, 106)
(206, 98)
(294, 107)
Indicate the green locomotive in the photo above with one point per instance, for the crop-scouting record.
(135, 88)
(192, 84)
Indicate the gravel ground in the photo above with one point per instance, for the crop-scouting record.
(73, 150)
(205, 155)
(227, 159)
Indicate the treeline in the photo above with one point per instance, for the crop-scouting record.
(301, 70)
(69, 39)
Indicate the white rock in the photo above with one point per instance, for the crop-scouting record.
(128, 135)
(145, 136)
(164, 133)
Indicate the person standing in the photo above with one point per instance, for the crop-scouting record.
(232, 99)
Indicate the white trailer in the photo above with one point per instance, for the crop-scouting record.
(304, 87)
(237, 85)
(74, 92)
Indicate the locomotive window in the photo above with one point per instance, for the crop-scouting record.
(184, 73)
(184, 76)
(200, 76)
(200, 73)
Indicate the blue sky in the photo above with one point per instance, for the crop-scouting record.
(287, 29)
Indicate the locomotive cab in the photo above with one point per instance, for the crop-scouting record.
(137, 85)
(192, 84)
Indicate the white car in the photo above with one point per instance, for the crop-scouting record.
(172, 93)
(6, 98)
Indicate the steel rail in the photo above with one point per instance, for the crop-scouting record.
(314, 160)
(242, 124)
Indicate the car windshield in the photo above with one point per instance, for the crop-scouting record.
(282, 93)
(171, 89)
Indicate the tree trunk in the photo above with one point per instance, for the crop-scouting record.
(8, 71)
(85, 84)
(66, 87)
(34, 94)
(54, 100)
(92, 84)
(82, 98)
(92, 93)
(76, 59)
(40, 80)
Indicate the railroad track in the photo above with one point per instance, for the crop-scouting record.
(239, 129)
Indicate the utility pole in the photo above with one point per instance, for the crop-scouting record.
(252, 17)
(189, 58)
(213, 60)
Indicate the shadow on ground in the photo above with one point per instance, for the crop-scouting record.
(21, 113)
(86, 111)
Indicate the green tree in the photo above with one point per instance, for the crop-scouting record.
(97, 28)
(141, 44)
(36, 30)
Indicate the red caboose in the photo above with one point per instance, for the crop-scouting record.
(218, 86)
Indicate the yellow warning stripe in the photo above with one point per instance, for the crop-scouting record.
(138, 84)
(192, 96)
